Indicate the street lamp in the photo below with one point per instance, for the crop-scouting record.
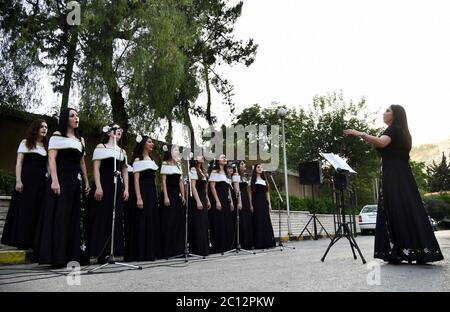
(282, 112)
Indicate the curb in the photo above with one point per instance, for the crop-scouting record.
(14, 256)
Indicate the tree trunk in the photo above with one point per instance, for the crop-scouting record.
(70, 59)
(119, 113)
(208, 93)
(169, 131)
(188, 122)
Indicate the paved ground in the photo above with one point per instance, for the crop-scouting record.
(274, 270)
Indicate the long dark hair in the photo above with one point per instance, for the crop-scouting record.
(239, 171)
(400, 121)
(33, 133)
(216, 166)
(63, 123)
(167, 155)
(263, 176)
(193, 163)
(138, 150)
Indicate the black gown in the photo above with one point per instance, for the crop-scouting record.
(245, 215)
(222, 233)
(198, 219)
(100, 213)
(59, 238)
(24, 209)
(144, 224)
(262, 225)
(403, 231)
(129, 215)
(173, 224)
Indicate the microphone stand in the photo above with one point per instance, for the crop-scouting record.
(187, 253)
(238, 248)
(280, 199)
(110, 258)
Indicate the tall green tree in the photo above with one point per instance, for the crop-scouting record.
(439, 175)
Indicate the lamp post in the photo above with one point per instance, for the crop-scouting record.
(282, 114)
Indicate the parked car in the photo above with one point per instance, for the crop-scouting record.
(368, 218)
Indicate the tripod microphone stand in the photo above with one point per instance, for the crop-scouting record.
(187, 253)
(340, 184)
(238, 248)
(280, 199)
(110, 258)
(314, 219)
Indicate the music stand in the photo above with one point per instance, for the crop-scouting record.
(110, 258)
(279, 199)
(340, 178)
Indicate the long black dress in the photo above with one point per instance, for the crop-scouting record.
(24, 210)
(172, 216)
(144, 224)
(403, 231)
(198, 219)
(262, 225)
(58, 238)
(221, 220)
(129, 215)
(100, 213)
(245, 214)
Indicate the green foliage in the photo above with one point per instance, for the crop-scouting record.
(438, 206)
(7, 183)
(418, 169)
(321, 204)
(439, 175)
(319, 128)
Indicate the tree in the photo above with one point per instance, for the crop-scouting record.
(439, 175)
(420, 175)
(319, 128)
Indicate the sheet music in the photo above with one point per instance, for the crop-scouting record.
(337, 162)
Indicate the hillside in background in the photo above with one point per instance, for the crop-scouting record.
(429, 152)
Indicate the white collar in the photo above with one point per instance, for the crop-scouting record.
(25, 150)
(101, 153)
(170, 169)
(218, 177)
(58, 142)
(261, 182)
(146, 164)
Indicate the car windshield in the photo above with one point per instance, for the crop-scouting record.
(369, 209)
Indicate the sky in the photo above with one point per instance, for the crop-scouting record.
(390, 52)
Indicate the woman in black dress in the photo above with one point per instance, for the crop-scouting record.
(260, 205)
(144, 216)
(221, 206)
(128, 215)
(31, 168)
(199, 205)
(59, 239)
(172, 203)
(101, 203)
(403, 231)
(240, 182)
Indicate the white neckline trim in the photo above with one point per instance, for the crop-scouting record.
(194, 176)
(260, 182)
(101, 153)
(170, 169)
(218, 177)
(37, 150)
(142, 165)
(59, 142)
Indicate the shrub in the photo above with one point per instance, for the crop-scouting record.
(303, 204)
(7, 183)
(438, 206)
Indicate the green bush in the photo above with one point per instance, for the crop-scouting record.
(7, 183)
(438, 206)
(303, 204)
